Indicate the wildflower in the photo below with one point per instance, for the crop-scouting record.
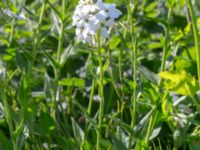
(90, 17)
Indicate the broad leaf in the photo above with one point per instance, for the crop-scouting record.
(180, 82)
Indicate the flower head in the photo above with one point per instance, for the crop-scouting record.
(90, 17)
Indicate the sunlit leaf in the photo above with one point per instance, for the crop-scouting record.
(180, 82)
(77, 82)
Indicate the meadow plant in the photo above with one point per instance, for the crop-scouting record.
(93, 21)
(99, 74)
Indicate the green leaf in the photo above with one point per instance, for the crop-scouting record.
(78, 132)
(18, 135)
(88, 146)
(23, 92)
(47, 124)
(151, 6)
(21, 61)
(155, 133)
(63, 141)
(194, 146)
(120, 140)
(67, 52)
(170, 3)
(114, 42)
(51, 59)
(131, 83)
(180, 82)
(154, 45)
(5, 144)
(141, 145)
(150, 75)
(76, 82)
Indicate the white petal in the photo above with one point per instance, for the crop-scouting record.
(104, 32)
(109, 22)
(78, 31)
(100, 5)
(93, 9)
(112, 11)
(102, 15)
(94, 23)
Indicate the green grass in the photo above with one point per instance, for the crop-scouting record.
(139, 89)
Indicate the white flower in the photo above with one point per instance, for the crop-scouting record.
(91, 17)
(104, 32)
(100, 5)
(112, 11)
(109, 22)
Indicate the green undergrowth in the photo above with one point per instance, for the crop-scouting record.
(49, 82)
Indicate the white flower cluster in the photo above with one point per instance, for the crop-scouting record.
(90, 17)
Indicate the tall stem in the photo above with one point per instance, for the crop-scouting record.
(58, 69)
(154, 116)
(91, 100)
(134, 98)
(12, 26)
(196, 36)
(60, 41)
(121, 102)
(166, 42)
(100, 92)
(164, 51)
(8, 115)
(37, 38)
(91, 97)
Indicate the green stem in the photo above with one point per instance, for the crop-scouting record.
(165, 48)
(58, 69)
(64, 6)
(120, 64)
(37, 38)
(164, 56)
(89, 108)
(121, 86)
(57, 73)
(196, 36)
(100, 92)
(151, 125)
(154, 116)
(60, 42)
(149, 130)
(61, 36)
(8, 115)
(91, 97)
(134, 99)
(12, 26)
(12, 31)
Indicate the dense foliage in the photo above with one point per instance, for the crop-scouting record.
(138, 89)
